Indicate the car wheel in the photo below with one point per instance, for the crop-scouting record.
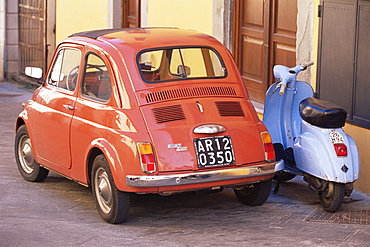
(113, 205)
(27, 166)
(255, 195)
(332, 197)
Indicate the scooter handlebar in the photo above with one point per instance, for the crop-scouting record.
(282, 88)
(285, 75)
(305, 66)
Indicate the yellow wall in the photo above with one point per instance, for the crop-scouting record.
(315, 42)
(74, 16)
(191, 14)
(362, 139)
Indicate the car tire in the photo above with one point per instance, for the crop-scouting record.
(255, 195)
(27, 166)
(112, 204)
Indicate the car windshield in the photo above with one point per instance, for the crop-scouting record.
(180, 63)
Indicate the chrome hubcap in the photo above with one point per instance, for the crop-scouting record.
(103, 190)
(25, 155)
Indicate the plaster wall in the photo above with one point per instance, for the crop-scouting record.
(75, 16)
(190, 14)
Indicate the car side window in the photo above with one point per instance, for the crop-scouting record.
(96, 82)
(64, 72)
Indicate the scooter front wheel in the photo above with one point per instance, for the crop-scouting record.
(331, 198)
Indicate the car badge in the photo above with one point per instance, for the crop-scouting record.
(178, 147)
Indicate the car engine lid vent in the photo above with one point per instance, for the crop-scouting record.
(168, 113)
(229, 109)
(179, 93)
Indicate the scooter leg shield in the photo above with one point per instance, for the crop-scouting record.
(271, 116)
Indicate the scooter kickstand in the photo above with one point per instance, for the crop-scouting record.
(276, 189)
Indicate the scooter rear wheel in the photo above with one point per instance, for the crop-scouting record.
(331, 198)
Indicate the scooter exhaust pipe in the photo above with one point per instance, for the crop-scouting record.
(317, 184)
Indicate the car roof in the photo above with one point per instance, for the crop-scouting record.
(142, 38)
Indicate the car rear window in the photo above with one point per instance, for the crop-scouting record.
(179, 63)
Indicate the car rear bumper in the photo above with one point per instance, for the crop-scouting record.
(203, 177)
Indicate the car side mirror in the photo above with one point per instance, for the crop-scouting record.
(33, 72)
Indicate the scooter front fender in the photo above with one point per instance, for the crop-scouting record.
(314, 154)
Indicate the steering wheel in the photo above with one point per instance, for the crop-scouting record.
(71, 80)
(73, 75)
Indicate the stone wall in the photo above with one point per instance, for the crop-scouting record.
(2, 38)
(11, 39)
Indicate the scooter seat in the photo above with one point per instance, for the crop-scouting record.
(322, 113)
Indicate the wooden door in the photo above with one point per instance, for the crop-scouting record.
(131, 13)
(265, 35)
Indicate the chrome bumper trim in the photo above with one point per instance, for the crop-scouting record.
(202, 177)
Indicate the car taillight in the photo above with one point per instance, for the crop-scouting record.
(268, 146)
(146, 157)
(340, 149)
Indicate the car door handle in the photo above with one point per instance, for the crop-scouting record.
(69, 107)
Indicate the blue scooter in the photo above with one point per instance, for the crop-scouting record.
(307, 134)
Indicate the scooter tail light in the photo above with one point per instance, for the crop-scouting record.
(340, 149)
(146, 157)
(268, 146)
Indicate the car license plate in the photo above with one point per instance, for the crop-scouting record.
(214, 151)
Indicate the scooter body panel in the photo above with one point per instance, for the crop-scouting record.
(281, 114)
(314, 154)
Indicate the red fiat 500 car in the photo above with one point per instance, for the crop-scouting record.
(150, 110)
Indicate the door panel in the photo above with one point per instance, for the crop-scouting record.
(337, 53)
(252, 47)
(265, 36)
(50, 124)
(131, 13)
(283, 35)
(252, 70)
(53, 112)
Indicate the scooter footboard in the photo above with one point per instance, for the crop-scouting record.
(315, 154)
